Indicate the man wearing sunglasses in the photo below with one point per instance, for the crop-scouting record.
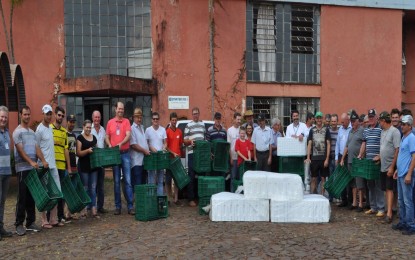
(156, 138)
(60, 138)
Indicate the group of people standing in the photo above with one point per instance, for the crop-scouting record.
(386, 138)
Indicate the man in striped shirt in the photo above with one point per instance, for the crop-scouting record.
(371, 145)
(216, 131)
(195, 130)
(60, 138)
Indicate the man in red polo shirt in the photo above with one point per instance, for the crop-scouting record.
(174, 144)
(118, 133)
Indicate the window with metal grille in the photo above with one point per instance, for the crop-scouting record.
(302, 19)
(279, 107)
(108, 37)
(283, 42)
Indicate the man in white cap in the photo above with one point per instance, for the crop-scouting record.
(44, 137)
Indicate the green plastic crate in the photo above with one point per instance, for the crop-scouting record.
(180, 177)
(203, 202)
(246, 166)
(202, 157)
(365, 168)
(162, 206)
(291, 164)
(209, 185)
(74, 193)
(43, 188)
(338, 181)
(220, 156)
(146, 202)
(236, 184)
(105, 157)
(157, 161)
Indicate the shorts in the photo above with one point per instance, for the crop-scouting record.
(317, 169)
(388, 183)
(360, 183)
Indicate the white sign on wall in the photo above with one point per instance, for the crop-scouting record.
(178, 102)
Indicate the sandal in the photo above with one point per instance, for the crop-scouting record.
(59, 224)
(47, 226)
(96, 216)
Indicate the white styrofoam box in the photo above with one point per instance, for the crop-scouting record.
(285, 186)
(288, 146)
(271, 185)
(255, 184)
(226, 206)
(312, 209)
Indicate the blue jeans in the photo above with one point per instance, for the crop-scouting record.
(100, 187)
(152, 174)
(234, 173)
(89, 179)
(137, 175)
(406, 205)
(128, 191)
(4, 187)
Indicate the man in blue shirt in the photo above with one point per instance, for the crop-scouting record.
(406, 165)
(5, 168)
(341, 141)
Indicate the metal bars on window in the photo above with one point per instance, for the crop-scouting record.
(283, 42)
(281, 107)
(107, 37)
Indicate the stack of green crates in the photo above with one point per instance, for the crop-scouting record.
(338, 181)
(43, 188)
(157, 161)
(202, 157)
(74, 193)
(291, 164)
(207, 186)
(365, 168)
(180, 177)
(149, 206)
(220, 155)
(105, 157)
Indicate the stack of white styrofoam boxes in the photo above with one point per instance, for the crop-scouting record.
(271, 196)
(291, 147)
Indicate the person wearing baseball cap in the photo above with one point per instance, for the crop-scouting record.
(389, 148)
(406, 180)
(216, 131)
(371, 147)
(351, 151)
(262, 140)
(318, 152)
(44, 136)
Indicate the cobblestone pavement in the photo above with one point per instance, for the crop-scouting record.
(187, 235)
